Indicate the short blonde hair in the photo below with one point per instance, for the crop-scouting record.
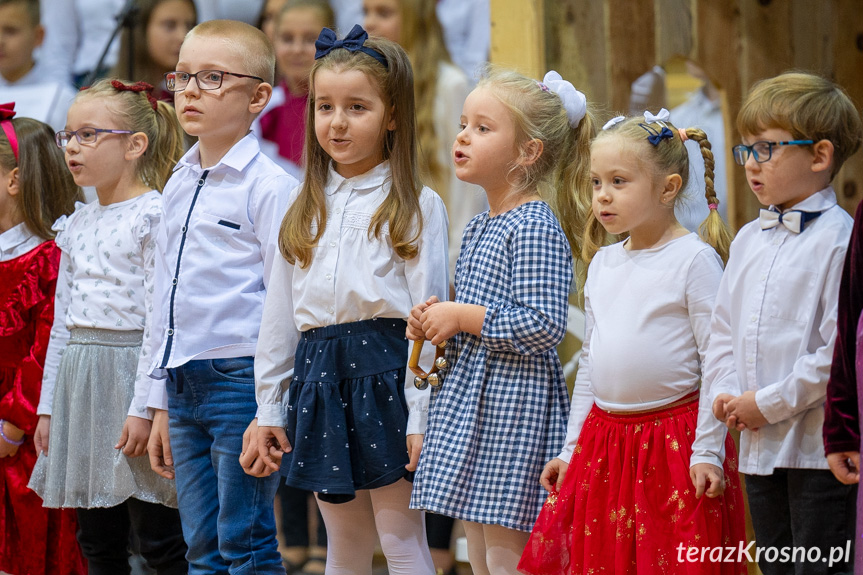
(249, 43)
(807, 106)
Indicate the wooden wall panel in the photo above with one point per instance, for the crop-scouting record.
(518, 35)
(630, 46)
(674, 29)
(848, 72)
(575, 45)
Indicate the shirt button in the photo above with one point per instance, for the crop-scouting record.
(750, 359)
(329, 276)
(332, 244)
(753, 319)
(330, 309)
(183, 229)
(170, 331)
(201, 182)
(174, 281)
(338, 210)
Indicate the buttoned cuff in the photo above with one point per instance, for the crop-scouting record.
(417, 421)
(771, 405)
(271, 415)
(158, 398)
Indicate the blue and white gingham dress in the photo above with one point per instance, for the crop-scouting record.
(501, 413)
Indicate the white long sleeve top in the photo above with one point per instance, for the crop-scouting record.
(352, 277)
(647, 329)
(773, 332)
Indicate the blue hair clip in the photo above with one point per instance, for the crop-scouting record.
(353, 42)
(655, 136)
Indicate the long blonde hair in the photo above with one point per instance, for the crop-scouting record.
(561, 174)
(136, 112)
(422, 39)
(401, 208)
(667, 157)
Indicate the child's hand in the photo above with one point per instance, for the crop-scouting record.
(441, 321)
(134, 437)
(719, 406)
(845, 466)
(12, 432)
(159, 446)
(708, 480)
(415, 326)
(415, 446)
(552, 475)
(743, 413)
(272, 443)
(40, 437)
(249, 460)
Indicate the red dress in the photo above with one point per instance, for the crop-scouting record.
(33, 540)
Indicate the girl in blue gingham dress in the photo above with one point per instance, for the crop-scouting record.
(503, 404)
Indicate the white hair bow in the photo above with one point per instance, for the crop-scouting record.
(662, 116)
(574, 102)
(613, 122)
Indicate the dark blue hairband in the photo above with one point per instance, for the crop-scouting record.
(353, 42)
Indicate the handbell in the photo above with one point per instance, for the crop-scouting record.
(421, 383)
(441, 363)
(443, 344)
(435, 380)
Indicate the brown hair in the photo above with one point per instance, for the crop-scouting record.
(32, 7)
(46, 188)
(807, 106)
(422, 38)
(143, 66)
(561, 174)
(668, 157)
(249, 43)
(135, 112)
(401, 208)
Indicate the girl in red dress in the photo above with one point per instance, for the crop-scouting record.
(35, 189)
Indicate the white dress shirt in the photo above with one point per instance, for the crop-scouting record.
(647, 328)
(105, 280)
(214, 256)
(467, 32)
(352, 277)
(773, 330)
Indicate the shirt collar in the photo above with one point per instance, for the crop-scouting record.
(237, 158)
(17, 241)
(374, 178)
(817, 202)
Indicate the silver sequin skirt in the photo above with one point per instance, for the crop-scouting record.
(95, 387)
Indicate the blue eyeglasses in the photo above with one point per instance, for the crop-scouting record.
(762, 150)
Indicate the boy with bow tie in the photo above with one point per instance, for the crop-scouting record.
(774, 322)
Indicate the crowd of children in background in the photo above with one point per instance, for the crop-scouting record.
(279, 213)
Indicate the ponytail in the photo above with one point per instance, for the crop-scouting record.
(713, 230)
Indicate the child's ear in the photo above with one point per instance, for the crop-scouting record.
(260, 98)
(822, 156)
(673, 183)
(138, 143)
(391, 125)
(38, 35)
(12, 183)
(530, 152)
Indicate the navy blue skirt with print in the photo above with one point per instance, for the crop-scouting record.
(347, 414)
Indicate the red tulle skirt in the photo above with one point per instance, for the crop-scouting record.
(628, 506)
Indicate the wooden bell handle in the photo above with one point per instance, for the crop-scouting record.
(414, 361)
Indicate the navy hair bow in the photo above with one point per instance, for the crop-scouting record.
(353, 42)
(655, 136)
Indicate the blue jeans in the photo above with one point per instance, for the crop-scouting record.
(227, 516)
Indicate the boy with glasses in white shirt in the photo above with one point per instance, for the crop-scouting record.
(774, 321)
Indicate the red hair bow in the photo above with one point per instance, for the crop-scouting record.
(137, 87)
(7, 112)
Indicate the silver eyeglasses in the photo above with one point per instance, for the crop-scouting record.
(84, 135)
(762, 150)
(206, 79)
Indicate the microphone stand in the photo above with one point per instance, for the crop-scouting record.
(125, 19)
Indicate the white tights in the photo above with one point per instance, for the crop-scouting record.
(353, 529)
(494, 550)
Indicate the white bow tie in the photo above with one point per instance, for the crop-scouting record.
(794, 220)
